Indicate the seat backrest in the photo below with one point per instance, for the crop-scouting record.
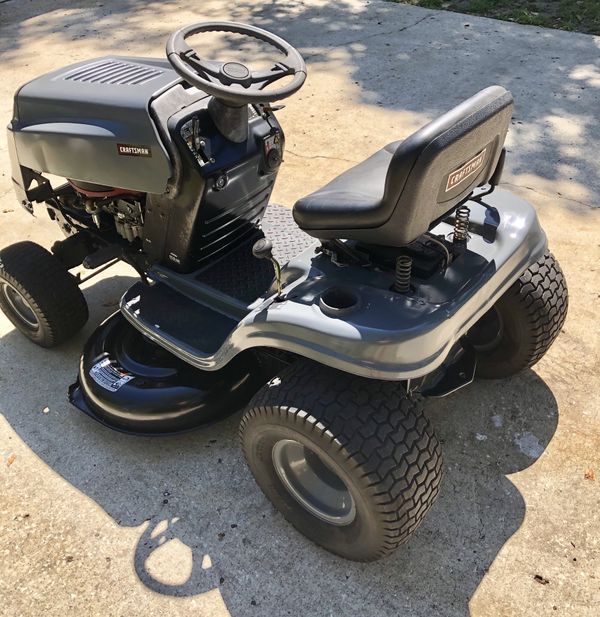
(437, 167)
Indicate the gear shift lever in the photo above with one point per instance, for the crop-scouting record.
(263, 249)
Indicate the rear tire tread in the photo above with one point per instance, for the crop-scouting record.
(378, 430)
(543, 291)
(536, 305)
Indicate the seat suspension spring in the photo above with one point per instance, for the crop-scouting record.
(461, 229)
(403, 273)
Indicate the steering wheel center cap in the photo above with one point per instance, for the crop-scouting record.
(235, 70)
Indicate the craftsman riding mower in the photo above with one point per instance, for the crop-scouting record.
(407, 276)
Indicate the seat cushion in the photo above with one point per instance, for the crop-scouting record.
(353, 199)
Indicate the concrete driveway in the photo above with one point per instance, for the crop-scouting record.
(97, 523)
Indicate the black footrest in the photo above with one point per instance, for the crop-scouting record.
(186, 327)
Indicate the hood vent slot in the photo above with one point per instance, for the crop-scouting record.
(114, 73)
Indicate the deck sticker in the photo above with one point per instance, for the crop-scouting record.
(131, 150)
(466, 171)
(108, 376)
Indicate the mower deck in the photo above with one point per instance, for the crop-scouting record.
(129, 384)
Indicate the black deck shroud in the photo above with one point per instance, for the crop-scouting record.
(161, 394)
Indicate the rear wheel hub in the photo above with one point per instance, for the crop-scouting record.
(313, 483)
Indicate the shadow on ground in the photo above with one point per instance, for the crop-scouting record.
(195, 489)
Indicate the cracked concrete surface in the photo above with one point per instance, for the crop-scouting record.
(97, 523)
(320, 156)
(550, 195)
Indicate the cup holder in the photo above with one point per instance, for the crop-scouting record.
(338, 301)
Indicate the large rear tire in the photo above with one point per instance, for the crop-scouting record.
(39, 295)
(523, 324)
(352, 463)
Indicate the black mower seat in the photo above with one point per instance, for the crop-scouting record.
(396, 194)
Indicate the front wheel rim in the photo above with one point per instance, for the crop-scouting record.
(313, 483)
(19, 306)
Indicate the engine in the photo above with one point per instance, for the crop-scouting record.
(125, 207)
(129, 217)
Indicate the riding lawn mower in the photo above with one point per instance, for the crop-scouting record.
(408, 276)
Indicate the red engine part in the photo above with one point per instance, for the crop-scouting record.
(103, 194)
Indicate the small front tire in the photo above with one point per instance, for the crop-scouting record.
(39, 295)
(352, 463)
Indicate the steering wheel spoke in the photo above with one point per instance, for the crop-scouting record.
(261, 79)
(207, 69)
(212, 67)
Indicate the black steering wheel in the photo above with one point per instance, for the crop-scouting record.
(234, 82)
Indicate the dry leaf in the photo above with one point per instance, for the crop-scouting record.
(589, 474)
(11, 459)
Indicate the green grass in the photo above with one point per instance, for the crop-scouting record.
(576, 15)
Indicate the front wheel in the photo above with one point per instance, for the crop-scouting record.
(352, 463)
(523, 324)
(39, 295)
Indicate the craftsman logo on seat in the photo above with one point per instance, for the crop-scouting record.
(466, 171)
(129, 150)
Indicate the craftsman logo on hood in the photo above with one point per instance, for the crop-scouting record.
(130, 150)
(466, 171)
